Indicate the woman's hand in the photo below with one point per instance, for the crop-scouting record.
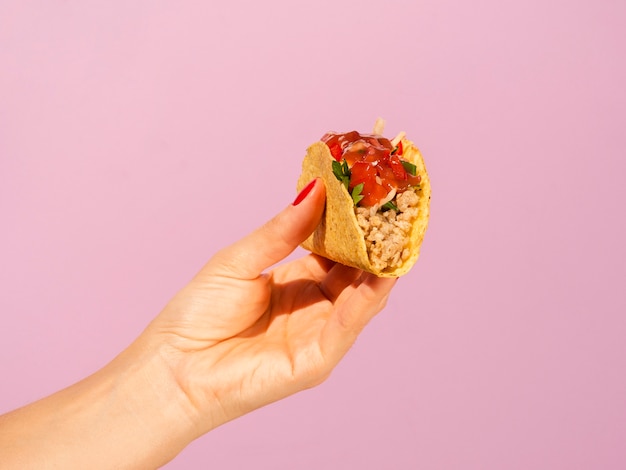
(234, 339)
(237, 337)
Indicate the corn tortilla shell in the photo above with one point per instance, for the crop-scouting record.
(338, 236)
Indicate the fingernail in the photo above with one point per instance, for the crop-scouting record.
(302, 194)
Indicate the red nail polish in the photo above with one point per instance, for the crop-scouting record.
(302, 194)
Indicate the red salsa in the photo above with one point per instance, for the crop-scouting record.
(373, 161)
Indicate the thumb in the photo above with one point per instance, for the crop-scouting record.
(276, 239)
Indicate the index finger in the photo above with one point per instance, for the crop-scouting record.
(272, 242)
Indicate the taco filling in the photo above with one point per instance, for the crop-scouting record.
(384, 189)
(377, 200)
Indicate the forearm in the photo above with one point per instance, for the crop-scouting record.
(130, 414)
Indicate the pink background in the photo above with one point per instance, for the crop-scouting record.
(125, 126)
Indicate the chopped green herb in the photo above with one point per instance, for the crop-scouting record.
(342, 172)
(409, 167)
(390, 205)
(356, 193)
(337, 169)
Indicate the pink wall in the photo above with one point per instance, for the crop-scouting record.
(125, 126)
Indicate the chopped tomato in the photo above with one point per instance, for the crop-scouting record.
(373, 161)
(399, 149)
(366, 173)
(336, 151)
(398, 169)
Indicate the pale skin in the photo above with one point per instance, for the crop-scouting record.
(239, 336)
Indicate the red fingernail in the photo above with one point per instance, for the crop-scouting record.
(302, 194)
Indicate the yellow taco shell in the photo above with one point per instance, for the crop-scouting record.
(339, 236)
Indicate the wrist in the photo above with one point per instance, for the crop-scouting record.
(129, 414)
(158, 418)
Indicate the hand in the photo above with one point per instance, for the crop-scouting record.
(238, 338)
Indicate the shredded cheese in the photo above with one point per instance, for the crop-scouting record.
(379, 126)
(396, 140)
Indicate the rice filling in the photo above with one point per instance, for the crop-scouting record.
(387, 233)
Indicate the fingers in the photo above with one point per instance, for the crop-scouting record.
(269, 244)
(352, 313)
(338, 278)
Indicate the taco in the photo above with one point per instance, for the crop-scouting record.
(377, 200)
